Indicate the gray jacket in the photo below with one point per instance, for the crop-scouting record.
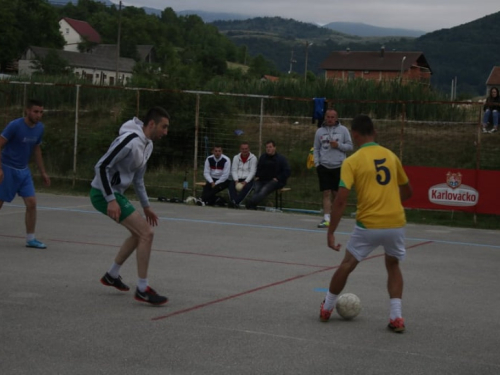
(326, 155)
(125, 163)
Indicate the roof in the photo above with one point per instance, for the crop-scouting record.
(494, 77)
(88, 60)
(109, 50)
(84, 29)
(374, 60)
(270, 78)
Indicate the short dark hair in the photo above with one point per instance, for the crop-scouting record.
(362, 124)
(272, 142)
(156, 114)
(217, 146)
(34, 103)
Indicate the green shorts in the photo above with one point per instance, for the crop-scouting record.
(101, 204)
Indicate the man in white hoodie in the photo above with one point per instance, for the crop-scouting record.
(123, 164)
(243, 171)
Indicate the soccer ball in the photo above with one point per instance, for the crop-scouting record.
(348, 306)
(239, 186)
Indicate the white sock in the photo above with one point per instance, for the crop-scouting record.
(114, 271)
(30, 236)
(395, 308)
(330, 301)
(327, 217)
(142, 284)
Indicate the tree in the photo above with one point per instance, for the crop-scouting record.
(51, 64)
(25, 23)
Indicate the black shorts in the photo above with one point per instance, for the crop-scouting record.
(329, 179)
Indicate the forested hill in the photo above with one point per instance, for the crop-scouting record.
(468, 51)
(277, 28)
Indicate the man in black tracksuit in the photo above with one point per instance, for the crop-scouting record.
(272, 173)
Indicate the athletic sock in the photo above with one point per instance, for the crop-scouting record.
(142, 284)
(327, 217)
(30, 236)
(114, 271)
(330, 301)
(395, 308)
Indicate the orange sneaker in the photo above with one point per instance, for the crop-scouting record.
(324, 315)
(397, 325)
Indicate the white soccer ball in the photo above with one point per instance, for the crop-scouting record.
(348, 306)
(239, 186)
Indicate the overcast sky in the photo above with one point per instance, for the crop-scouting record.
(426, 15)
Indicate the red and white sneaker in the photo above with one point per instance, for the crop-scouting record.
(397, 325)
(324, 315)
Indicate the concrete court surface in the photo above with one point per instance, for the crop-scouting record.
(245, 289)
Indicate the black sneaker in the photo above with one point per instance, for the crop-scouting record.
(150, 296)
(117, 283)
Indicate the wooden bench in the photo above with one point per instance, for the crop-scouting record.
(279, 197)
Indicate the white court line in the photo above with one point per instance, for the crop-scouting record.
(261, 226)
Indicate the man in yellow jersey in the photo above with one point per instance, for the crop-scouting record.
(381, 185)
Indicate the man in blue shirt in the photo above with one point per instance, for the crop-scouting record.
(18, 141)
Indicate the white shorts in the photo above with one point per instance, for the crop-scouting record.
(363, 241)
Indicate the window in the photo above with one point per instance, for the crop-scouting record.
(350, 75)
(67, 30)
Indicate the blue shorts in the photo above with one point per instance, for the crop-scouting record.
(16, 181)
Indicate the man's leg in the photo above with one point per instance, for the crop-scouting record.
(265, 189)
(244, 192)
(339, 278)
(337, 284)
(141, 239)
(30, 216)
(395, 277)
(395, 289)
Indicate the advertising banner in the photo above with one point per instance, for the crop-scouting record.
(454, 189)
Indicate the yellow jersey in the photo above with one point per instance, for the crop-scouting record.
(376, 174)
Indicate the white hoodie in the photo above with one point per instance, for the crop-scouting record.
(125, 163)
(240, 170)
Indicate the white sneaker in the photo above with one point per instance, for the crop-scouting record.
(484, 130)
(494, 130)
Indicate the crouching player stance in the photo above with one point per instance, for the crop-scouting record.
(381, 185)
(123, 164)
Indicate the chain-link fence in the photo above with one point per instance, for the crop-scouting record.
(81, 121)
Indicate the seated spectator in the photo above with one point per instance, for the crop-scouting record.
(243, 170)
(272, 173)
(491, 108)
(216, 172)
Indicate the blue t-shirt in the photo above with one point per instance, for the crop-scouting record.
(21, 139)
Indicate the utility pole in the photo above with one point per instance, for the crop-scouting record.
(292, 61)
(118, 41)
(305, 66)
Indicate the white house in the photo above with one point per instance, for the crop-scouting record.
(96, 69)
(75, 32)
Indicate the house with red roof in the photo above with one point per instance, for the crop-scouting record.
(493, 79)
(377, 65)
(76, 32)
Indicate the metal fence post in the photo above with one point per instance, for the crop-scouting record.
(401, 139)
(138, 103)
(75, 147)
(196, 131)
(260, 124)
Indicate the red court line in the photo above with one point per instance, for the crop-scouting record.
(185, 253)
(197, 307)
